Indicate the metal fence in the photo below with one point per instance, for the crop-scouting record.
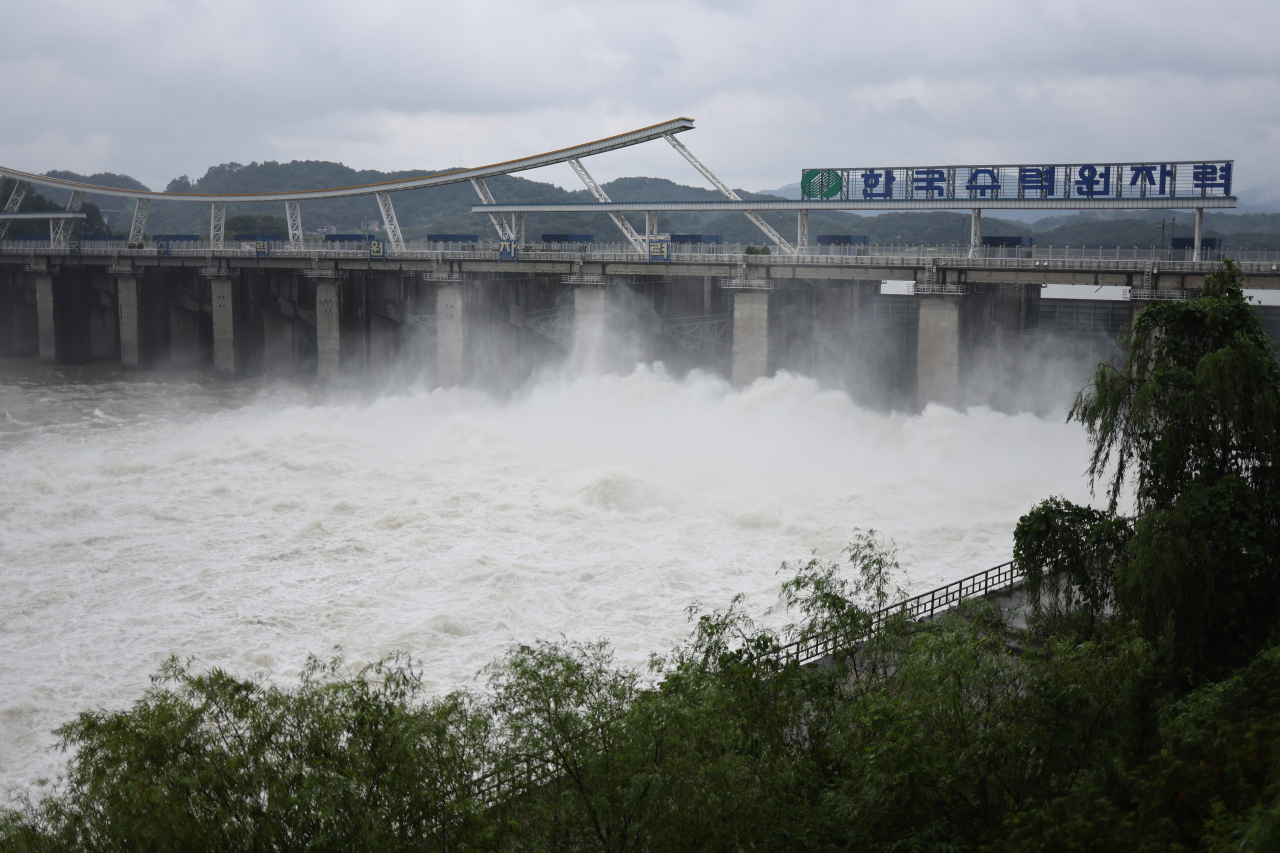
(924, 606)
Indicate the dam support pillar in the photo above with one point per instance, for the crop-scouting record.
(451, 335)
(750, 336)
(938, 350)
(46, 314)
(6, 312)
(328, 330)
(225, 352)
(22, 321)
(127, 298)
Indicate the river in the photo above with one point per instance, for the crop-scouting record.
(245, 525)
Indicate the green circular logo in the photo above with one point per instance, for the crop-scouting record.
(820, 183)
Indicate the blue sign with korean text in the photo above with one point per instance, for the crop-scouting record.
(659, 251)
(1180, 183)
(261, 248)
(508, 250)
(377, 250)
(162, 249)
(73, 247)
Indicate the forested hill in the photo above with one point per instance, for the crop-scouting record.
(447, 209)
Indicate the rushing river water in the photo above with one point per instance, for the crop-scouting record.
(246, 524)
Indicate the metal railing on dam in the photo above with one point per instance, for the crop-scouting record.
(1134, 259)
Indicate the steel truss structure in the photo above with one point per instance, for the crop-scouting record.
(294, 216)
(15, 201)
(709, 336)
(499, 221)
(60, 229)
(618, 219)
(217, 224)
(554, 323)
(730, 194)
(138, 229)
(390, 222)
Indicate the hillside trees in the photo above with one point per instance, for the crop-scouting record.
(1190, 423)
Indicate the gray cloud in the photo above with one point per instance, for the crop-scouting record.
(156, 89)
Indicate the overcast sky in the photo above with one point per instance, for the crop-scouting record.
(157, 89)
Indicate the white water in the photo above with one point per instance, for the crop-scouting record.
(247, 527)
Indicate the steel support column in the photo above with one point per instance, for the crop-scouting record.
(618, 219)
(975, 233)
(505, 232)
(293, 213)
(139, 226)
(390, 222)
(15, 201)
(782, 244)
(60, 229)
(217, 224)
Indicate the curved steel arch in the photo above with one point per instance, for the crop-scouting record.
(562, 155)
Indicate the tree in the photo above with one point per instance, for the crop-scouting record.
(1191, 423)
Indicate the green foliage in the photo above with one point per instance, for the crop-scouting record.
(210, 762)
(1069, 555)
(260, 224)
(1213, 784)
(1192, 421)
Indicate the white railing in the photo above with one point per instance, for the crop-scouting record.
(876, 255)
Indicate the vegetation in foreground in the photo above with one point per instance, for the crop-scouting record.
(1139, 711)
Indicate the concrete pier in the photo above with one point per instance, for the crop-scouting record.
(46, 315)
(127, 298)
(938, 350)
(750, 336)
(19, 335)
(328, 330)
(451, 335)
(225, 356)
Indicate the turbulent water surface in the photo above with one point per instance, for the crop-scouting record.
(245, 525)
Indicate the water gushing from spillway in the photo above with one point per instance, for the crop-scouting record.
(246, 526)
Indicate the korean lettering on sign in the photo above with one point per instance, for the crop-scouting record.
(1064, 183)
(509, 250)
(659, 251)
(377, 250)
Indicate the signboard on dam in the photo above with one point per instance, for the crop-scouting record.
(1188, 182)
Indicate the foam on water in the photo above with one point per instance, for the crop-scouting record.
(247, 529)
